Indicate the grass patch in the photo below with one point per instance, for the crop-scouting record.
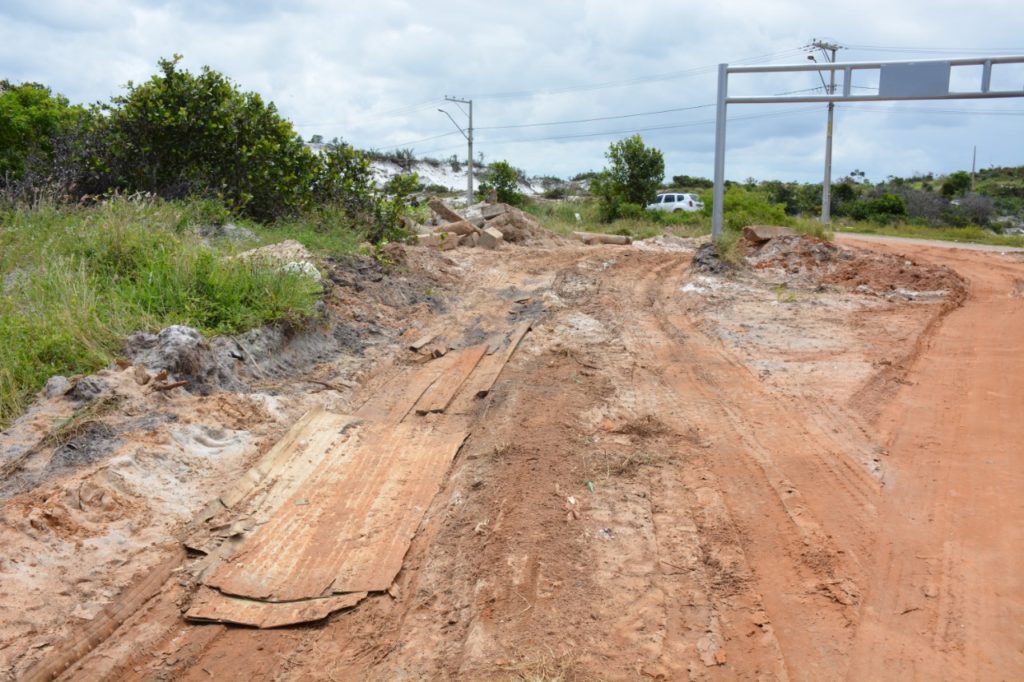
(560, 217)
(75, 281)
(972, 235)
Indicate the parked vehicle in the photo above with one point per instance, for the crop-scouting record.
(675, 201)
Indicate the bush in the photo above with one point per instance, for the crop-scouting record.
(635, 171)
(179, 135)
(744, 207)
(503, 178)
(956, 184)
(30, 118)
(345, 180)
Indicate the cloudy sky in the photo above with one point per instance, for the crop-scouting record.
(375, 73)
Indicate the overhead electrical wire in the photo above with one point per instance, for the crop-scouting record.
(937, 50)
(685, 73)
(598, 118)
(607, 133)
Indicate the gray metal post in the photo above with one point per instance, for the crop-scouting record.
(717, 209)
(469, 179)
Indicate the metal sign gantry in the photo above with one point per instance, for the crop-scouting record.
(902, 80)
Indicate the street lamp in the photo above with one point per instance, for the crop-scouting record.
(468, 134)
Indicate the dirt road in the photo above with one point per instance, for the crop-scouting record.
(660, 487)
(947, 589)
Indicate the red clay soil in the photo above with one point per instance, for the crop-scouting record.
(634, 502)
(946, 596)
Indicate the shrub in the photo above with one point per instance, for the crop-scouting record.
(504, 179)
(956, 184)
(32, 120)
(635, 170)
(744, 207)
(180, 134)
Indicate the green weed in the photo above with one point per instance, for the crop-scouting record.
(75, 281)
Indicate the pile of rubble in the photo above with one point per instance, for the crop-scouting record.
(484, 225)
(799, 259)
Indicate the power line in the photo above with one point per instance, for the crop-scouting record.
(408, 144)
(631, 81)
(599, 118)
(608, 133)
(937, 50)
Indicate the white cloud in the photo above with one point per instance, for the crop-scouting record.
(353, 69)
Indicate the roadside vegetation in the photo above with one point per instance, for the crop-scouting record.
(77, 280)
(105, 212)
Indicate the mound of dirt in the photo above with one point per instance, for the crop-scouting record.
(805, 260)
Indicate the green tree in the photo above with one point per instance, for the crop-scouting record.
(956, 184)
(635, 170)
(504, 179)
(31, 117)
(181, 134)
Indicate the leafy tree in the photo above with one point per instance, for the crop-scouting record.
(181, 134)
(956, 184)
(636, 170)
(504, 179)
(633, 176)
(31, 117)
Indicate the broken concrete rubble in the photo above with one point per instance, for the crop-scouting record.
(759, 234)
(491, 238)
(445, 213)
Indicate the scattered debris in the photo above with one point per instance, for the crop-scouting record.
(598, 238)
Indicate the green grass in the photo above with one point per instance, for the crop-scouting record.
(560, 217)
(75, 281)
(974, 235)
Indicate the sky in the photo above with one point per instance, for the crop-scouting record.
(375, 74)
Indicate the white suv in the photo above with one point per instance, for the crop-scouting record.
(674, 202)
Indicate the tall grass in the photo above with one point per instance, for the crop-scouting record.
(77, 280)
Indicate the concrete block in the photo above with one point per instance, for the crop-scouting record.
(493, 211)
(491, 238)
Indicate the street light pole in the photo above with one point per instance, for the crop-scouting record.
(468, 134)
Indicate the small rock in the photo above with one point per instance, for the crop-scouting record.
(57, 386)
(88, 388)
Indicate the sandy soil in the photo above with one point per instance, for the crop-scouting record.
(773, 474)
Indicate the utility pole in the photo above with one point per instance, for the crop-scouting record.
(468, 134)
(974, 163)
(829, 51)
